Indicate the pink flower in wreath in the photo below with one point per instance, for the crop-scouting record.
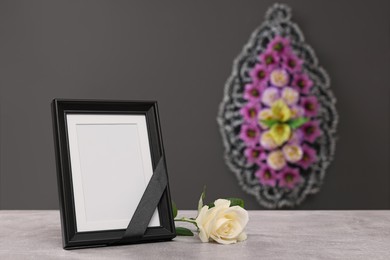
(302, 83)
(292, 63)
(311, 106)
(250, 134)
(255, 154)
(259, 74)
(289, 177)
(252, 92)
(311, 130)
(297, 111)
(266, 175)
(296, 137)
(269, 58)
(279, 45)
(308, 158)
(250, 111)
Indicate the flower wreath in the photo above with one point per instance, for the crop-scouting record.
(278, 117)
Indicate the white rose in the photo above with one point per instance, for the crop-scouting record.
(270, 95)
(290, 96)
(279, 78)
(293, 153)
(267, 141)
(222, 223)
(276, 160)
(264, 114)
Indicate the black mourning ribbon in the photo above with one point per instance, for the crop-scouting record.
(146, 207)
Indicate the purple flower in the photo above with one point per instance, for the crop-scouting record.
(297, 111)
(269, 58)
(279, 45)
(309, 156)
(289, 177)
(252, 92)
(250, 111)
(266, 175)
(292, 63)
(302, 83)
(259, 74)
(250, 134)
(255, 154)
(311, 130)
(296, 137)
(311, 105)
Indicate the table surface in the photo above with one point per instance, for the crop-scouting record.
(271, 235)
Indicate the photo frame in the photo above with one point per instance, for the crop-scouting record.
(112, 175)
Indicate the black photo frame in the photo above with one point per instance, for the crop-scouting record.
(86, 219)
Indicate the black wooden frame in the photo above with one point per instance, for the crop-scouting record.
(71, 238)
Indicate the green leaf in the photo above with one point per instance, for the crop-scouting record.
(236, 202)
(296, 123)
(174, 209)
(181, 231)
(269, 122)
(233, 202)
(202, 196)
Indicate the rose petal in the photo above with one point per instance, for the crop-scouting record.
(243, 236)
(200, 222)
(241, 215)
(223, 241)
(222, 203)
(220, 222)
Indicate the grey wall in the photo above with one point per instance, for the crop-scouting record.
(180, 53)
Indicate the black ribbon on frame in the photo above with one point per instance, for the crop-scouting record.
(148, 204)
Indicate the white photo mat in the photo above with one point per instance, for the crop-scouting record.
(111, 168)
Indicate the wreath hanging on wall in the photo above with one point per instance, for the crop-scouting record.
(278, 118)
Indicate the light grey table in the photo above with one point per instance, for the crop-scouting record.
(271, 235)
